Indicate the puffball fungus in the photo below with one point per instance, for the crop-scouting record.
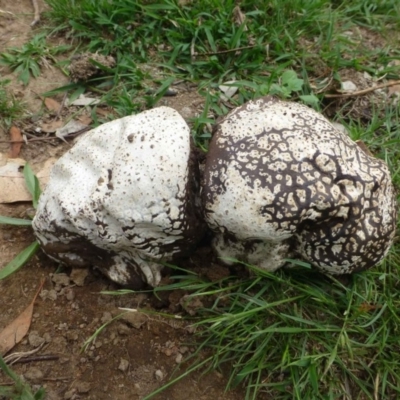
(281, 182)
(124, 199)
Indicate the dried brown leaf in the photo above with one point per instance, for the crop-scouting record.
(12, 181)
(85, 119)
(15, 148)
(17, 329)
(52, 126)
(102, 112)
(364, 147)
(395, 89)
(51, 104)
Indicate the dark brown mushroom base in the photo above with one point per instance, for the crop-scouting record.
(124, 199)
(281, 182)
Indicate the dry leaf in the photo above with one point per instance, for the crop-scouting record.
(15, 148)
(228, 90)
(51, 126)
(17, 329)
(102, 112)
(71, 127)
(51, 104)
(395, 89)
(82, 100)
(12, 181)
(238, 17)
(364, 147)
(85, 119)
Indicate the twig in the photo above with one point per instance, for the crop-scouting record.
(36, 18)
(61, 378)
(5, 12)
(15, 357)
(43, 357)
(62, 105)
(362, 92)
(224, 51)
(73, 134)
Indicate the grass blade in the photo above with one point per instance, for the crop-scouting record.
(32, 184)
(19, 261)
(15, 221)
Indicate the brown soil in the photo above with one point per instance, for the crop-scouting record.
(131, 357)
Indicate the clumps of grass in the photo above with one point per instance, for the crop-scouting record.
(20, 390)
(298, 335)
(265, 47)
(28, 60)
(10, 108)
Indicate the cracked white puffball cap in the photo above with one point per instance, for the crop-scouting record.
(122, 198)
(280, 181)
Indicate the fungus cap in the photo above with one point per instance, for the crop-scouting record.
(123, 199)
(280, 181)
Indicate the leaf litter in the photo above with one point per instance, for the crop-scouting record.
(18, 328)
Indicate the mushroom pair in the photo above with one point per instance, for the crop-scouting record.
(279, 182)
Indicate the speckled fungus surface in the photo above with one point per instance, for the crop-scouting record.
(124, 199)
(281, 182)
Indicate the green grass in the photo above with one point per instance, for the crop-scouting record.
(298, 335)
(293, 334)
(20, 390)
(10, 108)
(198, 42)
(32, 184)
(28, 60)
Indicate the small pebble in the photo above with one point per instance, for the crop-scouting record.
(68, 394)
(34, 374)
(69, 294)
(47, 337)
(83, 387)
(61, 279)
(48, 294)
(187, 112)
(123, 365)
(168, 352)
(159, 375)
(178, 358)
(34, 339)
(349, 86)
(123, 330)
(107, 317)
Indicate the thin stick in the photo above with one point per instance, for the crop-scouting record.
(362, 92)
(73, 134)
(62, 105)
(36, 18)
(43, 357)
(6, 12)
(61, 378)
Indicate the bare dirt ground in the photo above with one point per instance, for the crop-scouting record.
(132, 356)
